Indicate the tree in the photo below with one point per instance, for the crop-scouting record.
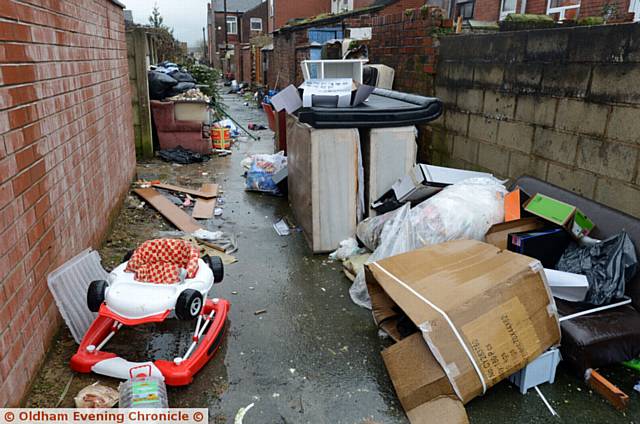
(156, 19)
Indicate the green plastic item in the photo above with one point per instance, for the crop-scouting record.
(634, 364)
(550, 209)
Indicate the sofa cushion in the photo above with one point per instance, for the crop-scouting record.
(607, 337)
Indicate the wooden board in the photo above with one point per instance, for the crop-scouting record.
(174, 214)
(388, 154)
(204, 208)
(323, 182)
(608, 390)
(212, 192)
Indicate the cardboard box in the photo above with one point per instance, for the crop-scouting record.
(560, 213)
(328, 92)
(484, 313)
(498, 233)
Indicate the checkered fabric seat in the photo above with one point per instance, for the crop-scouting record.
(159, 261)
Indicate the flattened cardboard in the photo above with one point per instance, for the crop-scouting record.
(496, 300)
(498, 233)
(203, 209)
(177, 216)
(211, 192)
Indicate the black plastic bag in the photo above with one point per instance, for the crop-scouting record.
(608, 265)
(180, 88)
(182, 76)
(159, 85)
(182, 156)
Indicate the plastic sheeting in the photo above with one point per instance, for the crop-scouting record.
(69, 285)
(461, 211)
(608, 265)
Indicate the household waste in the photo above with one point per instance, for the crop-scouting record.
(461, 211)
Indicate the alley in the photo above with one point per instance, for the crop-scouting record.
(313, 356)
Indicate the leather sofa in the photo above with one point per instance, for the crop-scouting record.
(606, 337)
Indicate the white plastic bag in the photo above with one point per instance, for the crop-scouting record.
(461, 211)
(347, 249)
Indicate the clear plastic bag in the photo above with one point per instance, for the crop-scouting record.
(461, 211)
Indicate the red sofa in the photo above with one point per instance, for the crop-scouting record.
(173, 133)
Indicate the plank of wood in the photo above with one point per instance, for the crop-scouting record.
(174, 214)
(608, 390)
(212, 190)
(203, 209)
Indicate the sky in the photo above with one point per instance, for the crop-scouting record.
(186, 17)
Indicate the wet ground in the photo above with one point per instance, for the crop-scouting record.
(313, 356)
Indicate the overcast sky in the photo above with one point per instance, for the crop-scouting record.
(186, 17)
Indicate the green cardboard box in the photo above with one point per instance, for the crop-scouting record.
(560, 213)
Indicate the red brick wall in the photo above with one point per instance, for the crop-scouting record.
(291, 9)
(66, 159)
(594, 7)
(406, 44)
(487, 10)
(537, 7)
(260, 11)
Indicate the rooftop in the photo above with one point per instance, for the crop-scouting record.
(235, 5)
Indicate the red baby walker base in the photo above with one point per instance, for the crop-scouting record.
(208, 335)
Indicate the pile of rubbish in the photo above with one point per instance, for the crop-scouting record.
(475, 283)
(193, 94)
(168, 80)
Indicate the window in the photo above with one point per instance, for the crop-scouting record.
(634, 6)
(564, 8)
(507, 7)
(464, 8)
(232, 25)
(256, 24)
(339, 6)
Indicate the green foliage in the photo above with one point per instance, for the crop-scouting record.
(516, 21)
(591, 20)
(210, 77)
(408, 13)
(156, 20)
(529, 18)
(609, 11)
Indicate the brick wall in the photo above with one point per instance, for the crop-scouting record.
(560, 104)
(487, 10)
(406, 43)
(261, 12)
(391, 29)
(288, 49)
(292, 9)
(66, 159)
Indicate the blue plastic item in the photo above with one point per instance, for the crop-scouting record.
(541, 370)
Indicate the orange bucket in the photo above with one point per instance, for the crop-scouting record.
(221, 138)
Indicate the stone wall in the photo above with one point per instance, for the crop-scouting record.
(562, 105)
(67, 157)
